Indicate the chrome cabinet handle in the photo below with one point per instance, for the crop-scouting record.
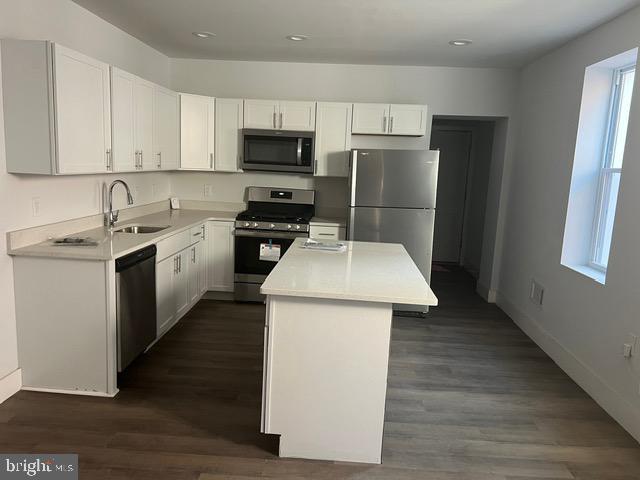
(281, 119)
(203, 231)
(384, 124)
(109, 166)
(274, 120)
(193, 255)
(175, 264)
(159, 159)
(179, 263)
(211, 160)
(391, 125)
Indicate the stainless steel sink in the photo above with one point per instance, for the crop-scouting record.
(141, 229)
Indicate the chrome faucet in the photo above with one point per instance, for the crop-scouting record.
(112, 216)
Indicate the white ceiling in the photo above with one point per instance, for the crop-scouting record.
(506, 33)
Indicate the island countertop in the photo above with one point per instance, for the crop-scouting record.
(369, 272)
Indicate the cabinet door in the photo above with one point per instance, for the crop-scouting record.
(408, 120)
(333, 139)
(203, 262)
(193, 272)
(220, 260)
(297, 116)
(229, 122)
(123, 86)
(83, 112)
(165, 129)
(370, 118)
(261, 114)
(144, 125)
(181, 283)
(165, 297)
(196, 132)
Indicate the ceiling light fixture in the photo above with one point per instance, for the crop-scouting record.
(462, 42)
(203, 34)
(297, 38)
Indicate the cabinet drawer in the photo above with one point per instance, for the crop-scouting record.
(173, 244)
(197, 233)
(324, 232)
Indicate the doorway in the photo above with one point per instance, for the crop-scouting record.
(466, 150)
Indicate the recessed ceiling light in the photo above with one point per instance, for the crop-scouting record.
(297, 38)
(460, 42)
(203, 34)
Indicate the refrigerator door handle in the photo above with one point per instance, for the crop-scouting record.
(354, 169)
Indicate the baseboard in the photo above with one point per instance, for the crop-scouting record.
(607, 397)
(485, 292)
(86, 393)
(10, 384)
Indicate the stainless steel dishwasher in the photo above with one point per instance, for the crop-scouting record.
(135, 304)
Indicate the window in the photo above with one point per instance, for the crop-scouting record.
(597, 164)
(611, 170)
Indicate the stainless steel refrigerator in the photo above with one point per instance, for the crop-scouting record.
(393, 200)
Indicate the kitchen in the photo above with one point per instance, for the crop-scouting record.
(207, 173)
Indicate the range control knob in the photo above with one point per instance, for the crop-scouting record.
(247, 224)
(288, 227)
(255, 224)
(273, 225)
(297, 227)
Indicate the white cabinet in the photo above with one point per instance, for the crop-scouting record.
(370, 118)
(56, 109)
(280, 115)
(261, 114)
(166, 129)
(385, 119)
(181, 284)
(326, 232)
(333, 139)
(166, 270)
(132, 115)
(220, 261)
(228, 138)
(408, 120)
(197, 132)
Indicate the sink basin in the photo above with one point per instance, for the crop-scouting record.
(141, 229)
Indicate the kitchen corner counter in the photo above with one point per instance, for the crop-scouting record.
(369, 272)
(112, 245)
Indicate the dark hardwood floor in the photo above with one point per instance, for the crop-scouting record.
(469, 397)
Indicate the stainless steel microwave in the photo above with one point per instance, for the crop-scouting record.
(278, 151)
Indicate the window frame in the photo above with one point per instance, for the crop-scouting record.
(607, 172)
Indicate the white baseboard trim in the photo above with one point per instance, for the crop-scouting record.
(71, 392)
(10, 384)
(485, 292)
(607, 397)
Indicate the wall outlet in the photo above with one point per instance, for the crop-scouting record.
(208, 190)
(630, 347)
(536, 294)
(35, 206)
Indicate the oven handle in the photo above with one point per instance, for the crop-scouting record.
(268, 234)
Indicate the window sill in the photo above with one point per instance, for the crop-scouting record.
(593, 273)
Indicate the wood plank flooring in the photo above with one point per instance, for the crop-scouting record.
(470, 397)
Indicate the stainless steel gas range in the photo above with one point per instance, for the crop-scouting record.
(275, 217)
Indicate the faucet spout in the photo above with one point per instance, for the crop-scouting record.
(112, 215)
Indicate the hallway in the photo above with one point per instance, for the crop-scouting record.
(469, 397)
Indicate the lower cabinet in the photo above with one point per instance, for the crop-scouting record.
(220, 260)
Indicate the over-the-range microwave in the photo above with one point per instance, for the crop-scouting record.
(278, 151)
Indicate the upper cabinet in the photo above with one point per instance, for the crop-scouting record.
(385, 119)
(228, 134)
(132, 107)
(333, 139)
(197, 132)
(280, 115)
(56, 109)
(166, 129)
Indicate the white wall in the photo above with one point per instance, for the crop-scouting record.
(64, 197)
(582, 324)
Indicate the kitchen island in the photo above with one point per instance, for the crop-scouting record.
(326, 354)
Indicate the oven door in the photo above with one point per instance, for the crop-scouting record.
(278, 151)
(258, 252)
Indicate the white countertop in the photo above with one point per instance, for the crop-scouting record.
(370, 272)
(113, 245)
